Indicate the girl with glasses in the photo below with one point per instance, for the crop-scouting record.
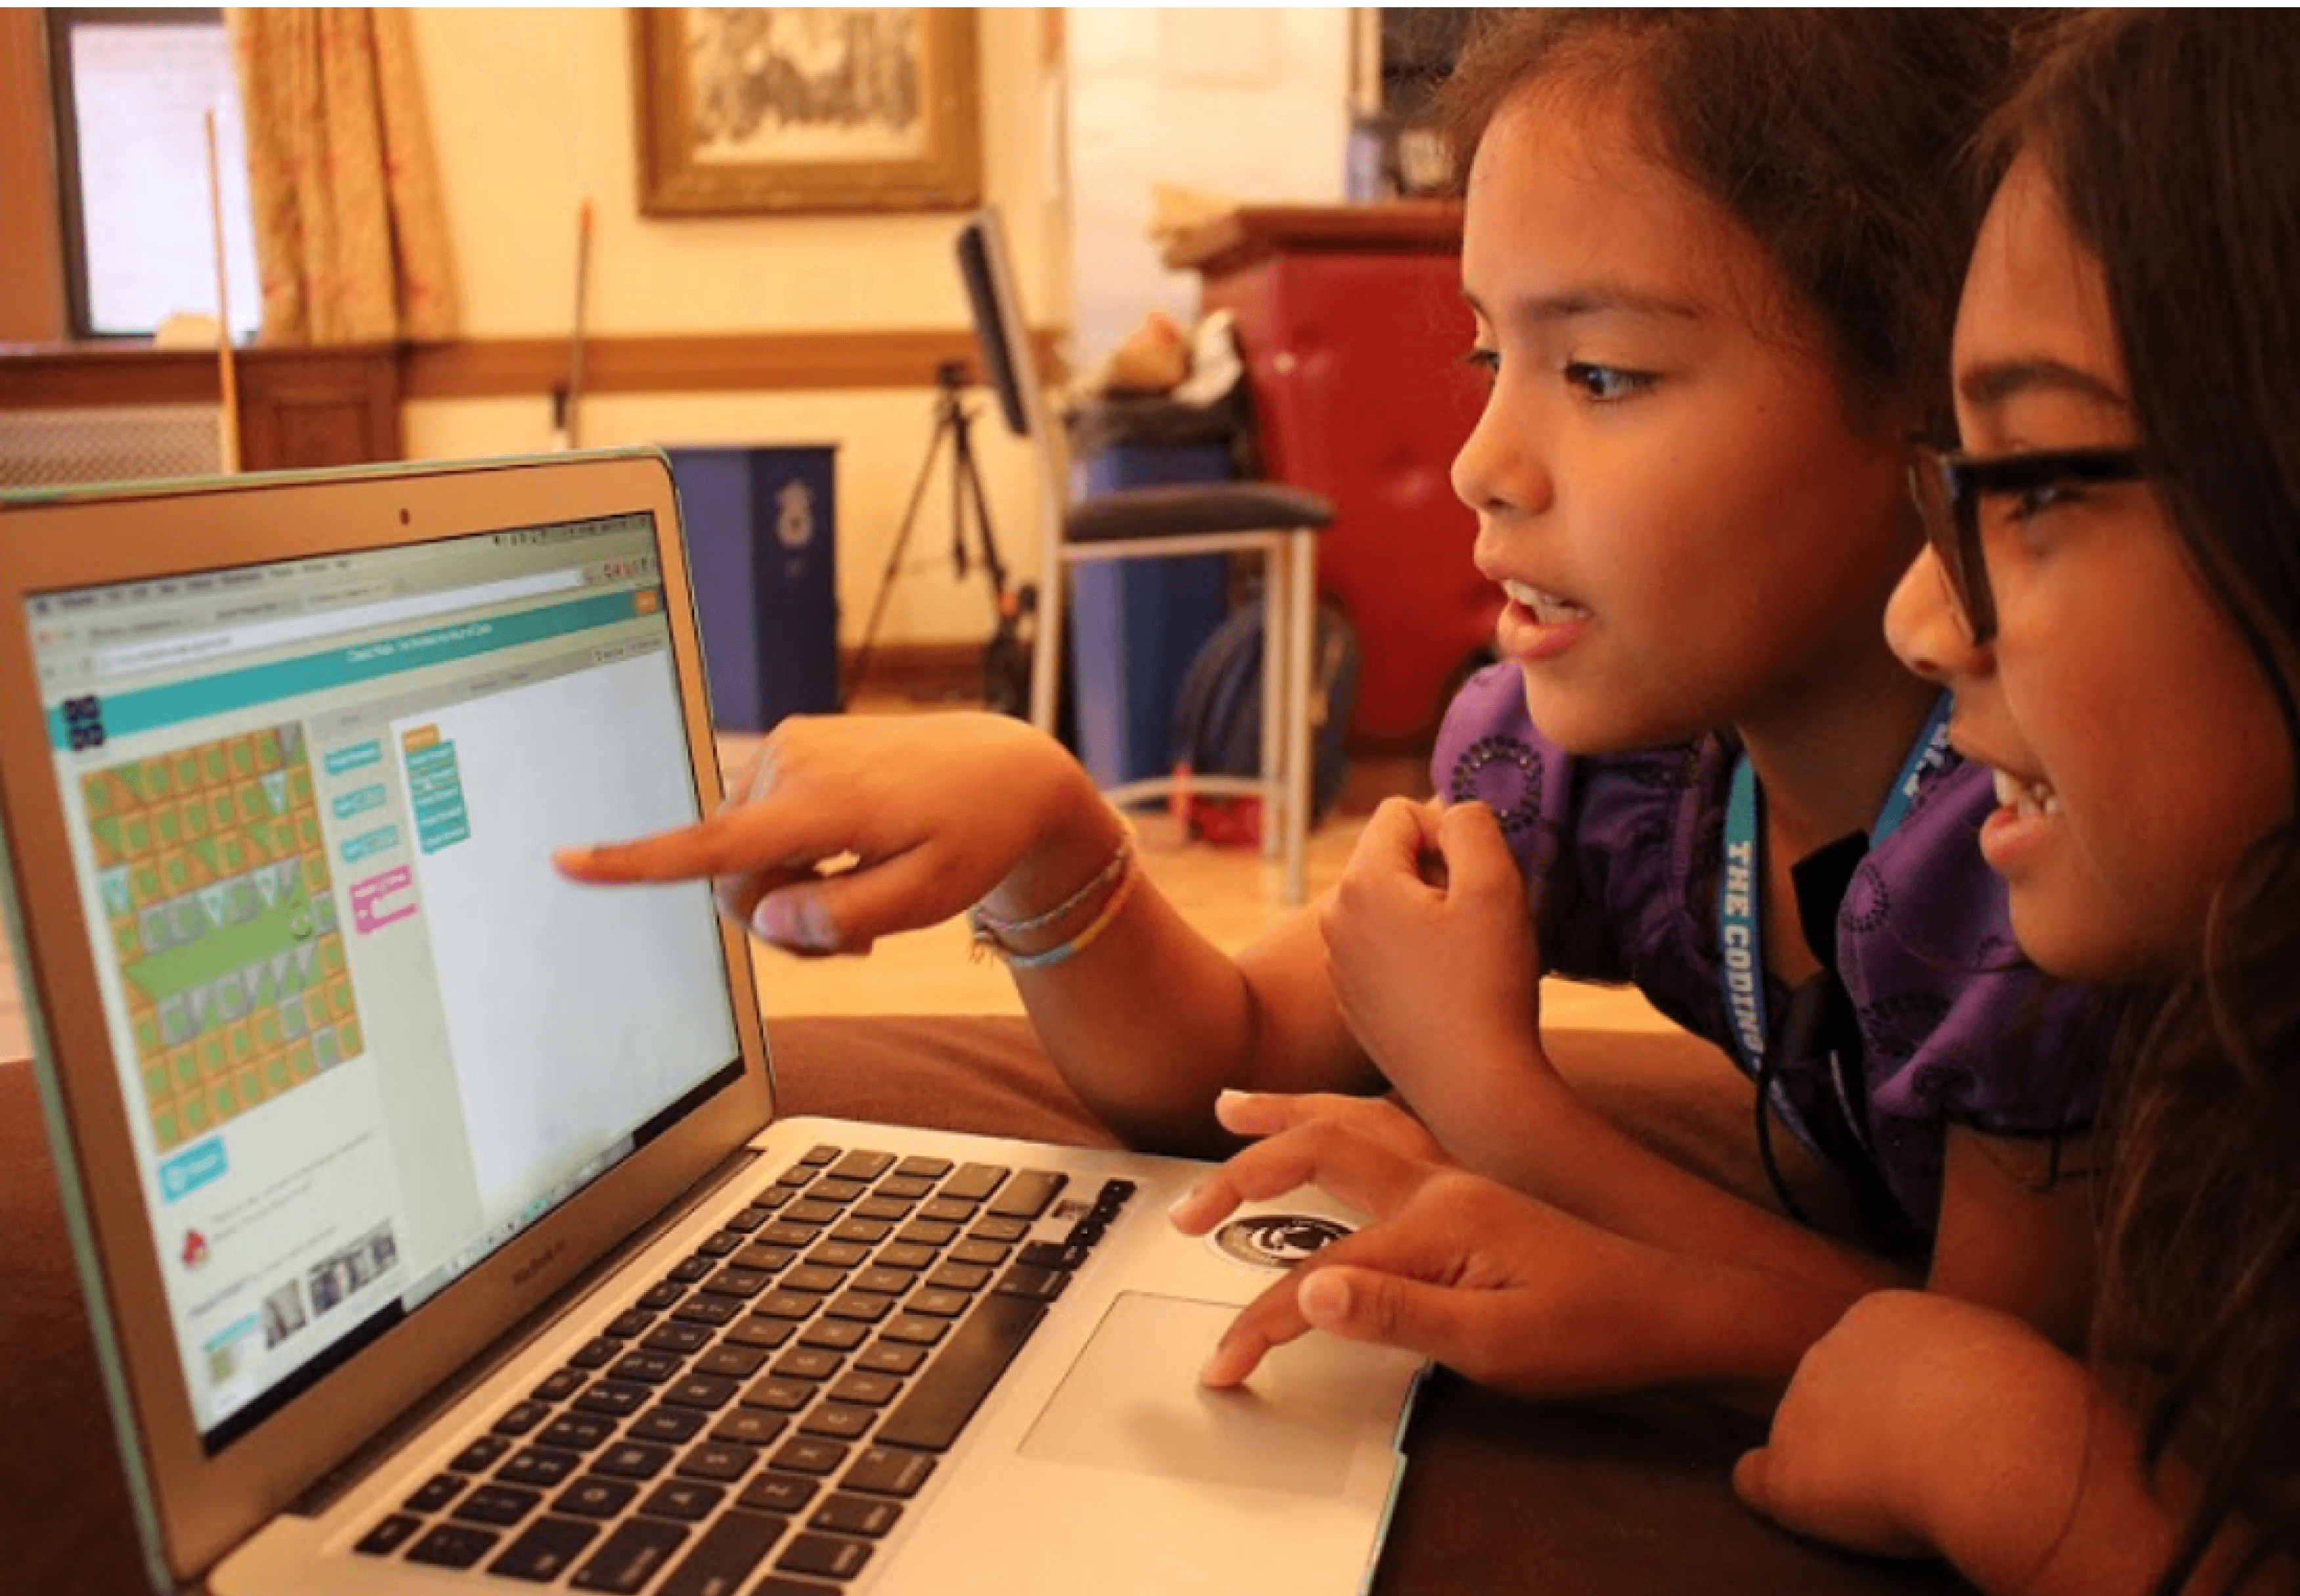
(2113, 595)
(1711, 267)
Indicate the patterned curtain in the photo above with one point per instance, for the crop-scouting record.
(351, 238)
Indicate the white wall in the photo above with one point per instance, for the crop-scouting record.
(1250, 102)
(533, 109)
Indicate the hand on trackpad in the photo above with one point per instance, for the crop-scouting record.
(1132, 1402)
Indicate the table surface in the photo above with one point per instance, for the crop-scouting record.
(1624, 1495)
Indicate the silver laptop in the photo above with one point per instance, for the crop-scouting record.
(437, 1228)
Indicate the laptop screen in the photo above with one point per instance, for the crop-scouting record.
(365, 1033)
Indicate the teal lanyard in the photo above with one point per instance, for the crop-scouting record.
(1740, 943)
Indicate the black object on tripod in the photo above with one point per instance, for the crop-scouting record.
(1006, 657)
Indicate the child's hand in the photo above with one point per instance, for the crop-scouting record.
(1378, 1118)
(1433, 959)
(1508, 1291)
(931, 813)
(1925, 1424)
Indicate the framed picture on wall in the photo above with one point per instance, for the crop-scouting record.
(807, 108)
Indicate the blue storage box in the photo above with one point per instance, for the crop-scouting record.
(1137, 624)
(762, 544)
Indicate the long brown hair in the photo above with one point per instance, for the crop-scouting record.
(2172, 141)
(1826, 133)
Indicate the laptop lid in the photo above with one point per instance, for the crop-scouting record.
(343, 1081)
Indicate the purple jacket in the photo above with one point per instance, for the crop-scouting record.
(1954, 1025)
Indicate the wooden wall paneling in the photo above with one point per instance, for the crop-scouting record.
(31, 244)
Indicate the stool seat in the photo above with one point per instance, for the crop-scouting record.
(1186, 509)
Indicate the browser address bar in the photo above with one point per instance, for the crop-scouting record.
(298, 628)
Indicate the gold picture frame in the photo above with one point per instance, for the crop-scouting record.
(807, 108)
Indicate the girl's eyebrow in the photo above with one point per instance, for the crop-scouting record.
(1997, 383)
(1579, 304)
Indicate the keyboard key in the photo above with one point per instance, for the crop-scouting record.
(706, 1309)
(559, 1386)
(809, 1363)
(813, 1277)
(999, 1230)
(479, 1456)
(775, 1584)
(905, 1188)
(749, 1219)
(803, 1454)
(837, 1188)
(764, 1334)
(907, 1255)
(539, 1466)
(867, 1516)
(821, 1154)
(862, 1306)
(778, 1493)
(928, 1233)
(497, 1504)
(1035, 1285)
(735, 1362)
(778, 1394)
(890, 1358)
(863, 1164)
(881, 1207)
(1051, 1255)
(701, 1391)
(839, 1255)
(945, 1396)
(941, 1304)
(974, 1182)
(614, 1397)
(595, 1353)
(723, 1559)
(717, 1460)
(838, 1421)
(970, 1266)
(661, 1295)
(388, 1536)
(630, 1322)
(1027, 1196)
(721, 1243)
(581, 1431)
(633, 1460)
(633, 1553)
(736, 1282)
(865, 1389)
(862, 1233)
(650, 1369)
(921, 1166)
(954, 1209)
(689, 1501)
(835, 1336)
(687, 1271)
(454, 1545)
(888, 1471)
(767, 1259)
(749, 1426)
(886, 1282)
(811, 1211)
(435, 1493)
(832, 1556)
(545, 1550)
(666, 1424)
(915, 1328)
(677, 1337)
(788, 1305)
(595, 1498)
(523, 1416)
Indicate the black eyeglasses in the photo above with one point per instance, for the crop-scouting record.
(1949, 487)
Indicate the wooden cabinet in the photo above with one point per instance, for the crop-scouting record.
(298, 407)
(1353, 330)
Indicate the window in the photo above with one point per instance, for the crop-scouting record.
(131, 89)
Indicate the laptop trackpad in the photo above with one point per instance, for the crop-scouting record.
(1132, 1402)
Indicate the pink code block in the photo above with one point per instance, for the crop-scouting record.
(371, 907)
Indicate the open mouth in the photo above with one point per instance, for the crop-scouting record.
(2027, 799)
(1545, 608)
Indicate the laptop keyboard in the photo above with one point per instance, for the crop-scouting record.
(755, 1423)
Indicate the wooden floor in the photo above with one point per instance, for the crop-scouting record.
(1231, 894)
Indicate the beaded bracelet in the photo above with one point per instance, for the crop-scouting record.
(991, 932)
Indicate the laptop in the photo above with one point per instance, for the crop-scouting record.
(436, 1227)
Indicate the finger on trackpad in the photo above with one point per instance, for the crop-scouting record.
(1132, 1402)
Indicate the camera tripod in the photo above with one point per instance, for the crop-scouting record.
(1006, 657)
